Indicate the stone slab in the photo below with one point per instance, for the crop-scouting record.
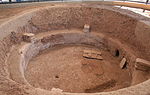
(86, 28)
(92, 54)
(28, 37)
(142, 64)
(123, 63)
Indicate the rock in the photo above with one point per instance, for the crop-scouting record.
(123, 63)
(99, 57)
(88, 55)
(86, 28)
(14, 37)
(93, 54)
(142, 64)
(28, 37)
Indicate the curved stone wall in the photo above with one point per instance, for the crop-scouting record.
(130, 31)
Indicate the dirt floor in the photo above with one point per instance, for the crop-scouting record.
(64, 67)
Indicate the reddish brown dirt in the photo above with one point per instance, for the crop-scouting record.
(69, 70)
(7, 11)
(64, 67)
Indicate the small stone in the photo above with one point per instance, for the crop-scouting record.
(93, 54)
(123, 63)
(85, 55)
(99, 57)
(96, 52)
(86, 28)
(28, 37)
(14, 37)
(142, 64)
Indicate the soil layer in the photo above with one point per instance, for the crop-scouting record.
(64, 67)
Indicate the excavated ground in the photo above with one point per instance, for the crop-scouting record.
(64, 67)
(52, 63)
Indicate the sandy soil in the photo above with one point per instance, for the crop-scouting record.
(8, 11)
(64, 67)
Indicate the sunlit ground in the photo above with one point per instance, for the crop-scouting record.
(139, 11)
(136, 10)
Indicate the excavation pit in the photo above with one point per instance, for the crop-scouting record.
(76, 73)
(46, 56)
(56, 60)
